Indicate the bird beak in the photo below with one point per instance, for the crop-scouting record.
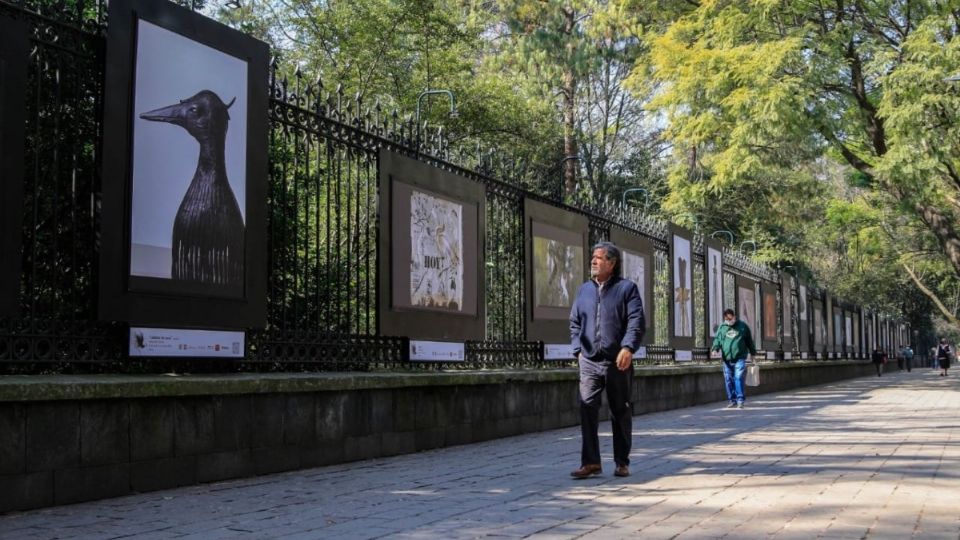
(172, 114)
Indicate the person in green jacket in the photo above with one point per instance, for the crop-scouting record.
(734, 341)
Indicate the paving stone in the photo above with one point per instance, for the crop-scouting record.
(865, 458)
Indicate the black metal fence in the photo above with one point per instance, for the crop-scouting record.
(323, 219)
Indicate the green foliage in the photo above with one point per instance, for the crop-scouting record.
(813, 126)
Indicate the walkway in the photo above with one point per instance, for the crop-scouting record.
(868, 458)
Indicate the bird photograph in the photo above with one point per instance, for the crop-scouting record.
(208, 230)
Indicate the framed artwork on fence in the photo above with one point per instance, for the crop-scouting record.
(837, 329)
(857, 332)
(848, 329)
(819, 332)
(714, 286)
(557, 257)
(786, 309)
(803, 318)
(829, 324)
(681, 287)
(14, 51)
(747, 305)
(431, 272)
(184, 193)
(681, 280)
(770, 315)
(637, 253)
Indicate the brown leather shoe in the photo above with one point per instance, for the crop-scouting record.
(622, 470)
(586, 471)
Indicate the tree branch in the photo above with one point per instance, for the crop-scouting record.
(931, 295)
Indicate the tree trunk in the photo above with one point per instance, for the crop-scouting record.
(569, 101)
(942, 226)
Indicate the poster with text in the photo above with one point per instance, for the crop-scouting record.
(436, 258)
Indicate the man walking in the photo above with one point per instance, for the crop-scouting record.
(734, 341)
(606, 327)
(907, 354)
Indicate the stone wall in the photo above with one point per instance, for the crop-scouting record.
(65, 439)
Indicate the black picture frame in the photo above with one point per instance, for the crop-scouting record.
(634, 244)
(676, 235)
(399, 177)
(787, 337)
(167, 302)
(546, 323)
(746, 305)
(770, 315)
(857, 331)
(804, 317)
(828, 304)
(14, 56)
(818, 327)
(708, 286)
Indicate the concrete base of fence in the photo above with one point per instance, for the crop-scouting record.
(66, 439)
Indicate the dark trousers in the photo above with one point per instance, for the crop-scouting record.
(594, 377)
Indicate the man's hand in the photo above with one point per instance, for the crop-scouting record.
(624, 359)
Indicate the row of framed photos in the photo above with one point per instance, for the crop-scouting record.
(432, 272)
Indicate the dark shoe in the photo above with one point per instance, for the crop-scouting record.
(622, 470)
(586, 471)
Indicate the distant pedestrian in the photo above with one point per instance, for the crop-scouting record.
(907, 354)
(900, 360)
(879, 358)
(944, 352)
(606, 328)
(734, 341)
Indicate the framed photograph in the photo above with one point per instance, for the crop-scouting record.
(857, 341)
(431, 252)
(803, 318)
(829, 324)
(184, 192)
(14, 55)
(819, 330)
(714, 286)
(637, 252)
(771, 341)
(838, 329)
(558, 262)
(786, 309)
(681, 279)
(747, 305)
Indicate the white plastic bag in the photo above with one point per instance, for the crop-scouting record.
(753, 375)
